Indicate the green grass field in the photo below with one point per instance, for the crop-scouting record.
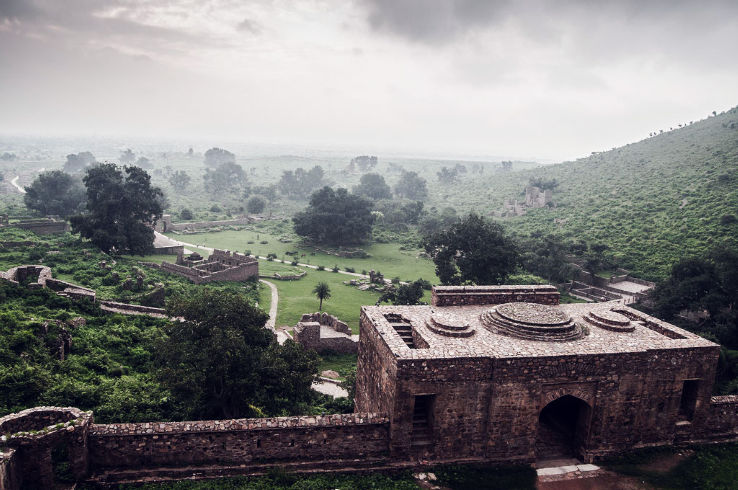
(387, 258)
(296, 297)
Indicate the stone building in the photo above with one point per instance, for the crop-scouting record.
(508, 374)
(222, 265)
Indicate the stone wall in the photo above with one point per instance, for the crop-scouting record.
(721, 423)
(126, 307)
(33, 433)
(10, 471)
(493, 295)
(324, 333)
(220, 266)
(166, 225)
(243, 441)
(42, 227)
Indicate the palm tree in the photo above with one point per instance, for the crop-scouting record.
(322, 291)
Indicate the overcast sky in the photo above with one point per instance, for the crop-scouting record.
(544, 79)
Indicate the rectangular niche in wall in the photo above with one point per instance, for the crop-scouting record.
(689, 399)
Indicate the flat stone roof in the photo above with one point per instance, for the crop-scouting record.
(610, 328)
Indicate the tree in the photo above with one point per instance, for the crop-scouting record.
(472, 250)
(218, 156)
(411, 186)
(322, 291)
(220, 362)
(179, 180)
(374, 187)
(127, 156)
(448, 175)
(55, 193)
(121, 209)
(226, 178)
(78, 162)
(335, 218)
(404, 294)
(365, 162)
(186, 214)
(300, 183)
(256, 205)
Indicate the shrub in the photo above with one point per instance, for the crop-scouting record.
(294, 262)
(185, 214)
(335, 268)
(395, 280)
(350, 269)
(215, 209)
(321, 268)
(264, 242)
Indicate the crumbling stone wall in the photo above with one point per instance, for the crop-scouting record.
(42, 227)
(220, 266)
(33, 433)
(242, 441)
(323, 332)
(10, 471)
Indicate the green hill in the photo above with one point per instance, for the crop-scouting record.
(652, 202)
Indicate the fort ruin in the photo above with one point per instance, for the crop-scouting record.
(484, 374)
(222, 265)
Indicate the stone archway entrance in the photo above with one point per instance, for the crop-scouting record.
(563, 426)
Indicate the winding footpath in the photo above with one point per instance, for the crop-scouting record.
(14, 182)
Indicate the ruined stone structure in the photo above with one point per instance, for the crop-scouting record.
(508, 374)
(220, 266)
(165, 225)
(323, 332)
(40, 276)
(535, 197)
(483, 374)
(42, 226)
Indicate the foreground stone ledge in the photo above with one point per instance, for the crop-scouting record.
(317, 421)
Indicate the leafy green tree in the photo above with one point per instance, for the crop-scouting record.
(221, 362)
(472, 250)
(322, 291)
(122, 207)
(78, 162)
(179, 180)
(374, 187)
(144, 163)
(546, 256)
(186, 214)
(218, 156)
(335, 218)
(300, 183)
(411, 186)
(55, 193)
(404, 294)
(256, 205)
(226, 178)
(447, 175)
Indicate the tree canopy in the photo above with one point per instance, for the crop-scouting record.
(55, 193)
(256, 205)
(78, 162)
(122, 207)
(300, 183)
(472, 250)
(218, 156)
(220, 362)
(411, 186)
(179, 180)
(335, 218)
(374, 187)
(226, 178)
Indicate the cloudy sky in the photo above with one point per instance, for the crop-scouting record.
(544, 79)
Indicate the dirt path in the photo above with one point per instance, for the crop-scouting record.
(272, 322)
(14, 182)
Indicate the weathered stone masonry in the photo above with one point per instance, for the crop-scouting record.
(488, 374)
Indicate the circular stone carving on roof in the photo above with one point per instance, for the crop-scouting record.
(609, 320)
(532, 321)
(533, 314)
(449, 325)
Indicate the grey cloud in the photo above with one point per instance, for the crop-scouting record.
(248, 25)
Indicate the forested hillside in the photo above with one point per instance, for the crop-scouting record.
(652, 202)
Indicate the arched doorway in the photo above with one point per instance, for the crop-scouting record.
(563, 426)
